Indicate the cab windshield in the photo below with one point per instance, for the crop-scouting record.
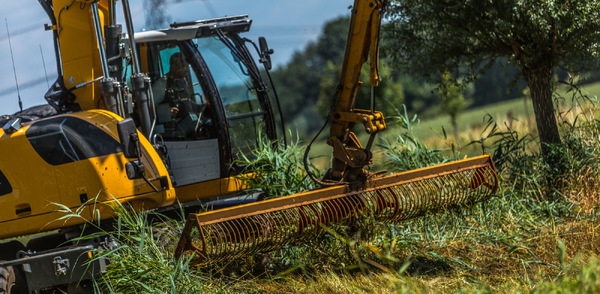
(245, 114)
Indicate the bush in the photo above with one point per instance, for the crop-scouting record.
(276, 169)
(407, 152)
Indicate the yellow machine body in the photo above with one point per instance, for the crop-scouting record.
(37, 184)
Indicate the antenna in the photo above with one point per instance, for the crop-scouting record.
(13, 62)
(44, 63)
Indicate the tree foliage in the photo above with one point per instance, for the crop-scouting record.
(298, 81)
(307, 84)
(466, 38)
(453, 101)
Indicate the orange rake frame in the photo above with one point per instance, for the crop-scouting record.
(268, 225)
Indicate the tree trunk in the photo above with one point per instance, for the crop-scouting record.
(539, 78)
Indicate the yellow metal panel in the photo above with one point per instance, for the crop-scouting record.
(197, 191)
(32, 179)
(232, 185)
(36, 184)
(138, 203)
(107, 121)
(100, 176)
(37, 223)
(49, 221)
(209, 189)
(79, 48)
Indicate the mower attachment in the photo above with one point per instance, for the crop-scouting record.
(268, 225)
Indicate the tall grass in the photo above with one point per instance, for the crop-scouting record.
(143, 260)
(405, 151)
(538, 235)
(276, 169)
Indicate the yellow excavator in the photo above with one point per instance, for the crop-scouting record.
(156, 120)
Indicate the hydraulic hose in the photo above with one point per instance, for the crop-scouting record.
(274, 91)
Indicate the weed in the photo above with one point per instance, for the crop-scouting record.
(407, 152)
(276, 169)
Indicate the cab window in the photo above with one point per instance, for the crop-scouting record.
(245, 116)
(63, 140)
(182, 112)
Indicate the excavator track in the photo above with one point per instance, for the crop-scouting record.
(268, 225)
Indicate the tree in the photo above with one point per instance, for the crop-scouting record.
(389, 92)
(453, 101)
(499, 83)
(298, 81)
(466, 38)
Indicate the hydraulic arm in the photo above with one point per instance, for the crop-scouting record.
(349, 156)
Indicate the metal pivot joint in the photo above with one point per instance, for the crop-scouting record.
(61, 266)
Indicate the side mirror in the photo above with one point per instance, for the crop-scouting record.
(126, 128)
(265, 52)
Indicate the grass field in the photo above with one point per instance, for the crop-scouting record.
(474, 118)
(537, 235)
(471, 123)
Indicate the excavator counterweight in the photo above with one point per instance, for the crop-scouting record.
(268, 225)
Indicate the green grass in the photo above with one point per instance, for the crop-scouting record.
(471, 121)
(474, 118)
(538, 235)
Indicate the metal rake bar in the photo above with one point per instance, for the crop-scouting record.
(268, 225)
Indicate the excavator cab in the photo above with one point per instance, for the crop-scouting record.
(209, 103)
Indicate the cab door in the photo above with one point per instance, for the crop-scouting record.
(244, 100)
(185, 120)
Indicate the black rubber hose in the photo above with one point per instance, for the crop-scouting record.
(274, 91)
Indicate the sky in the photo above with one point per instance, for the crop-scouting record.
(287, 25)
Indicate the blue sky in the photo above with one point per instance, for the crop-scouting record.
(287, 25)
